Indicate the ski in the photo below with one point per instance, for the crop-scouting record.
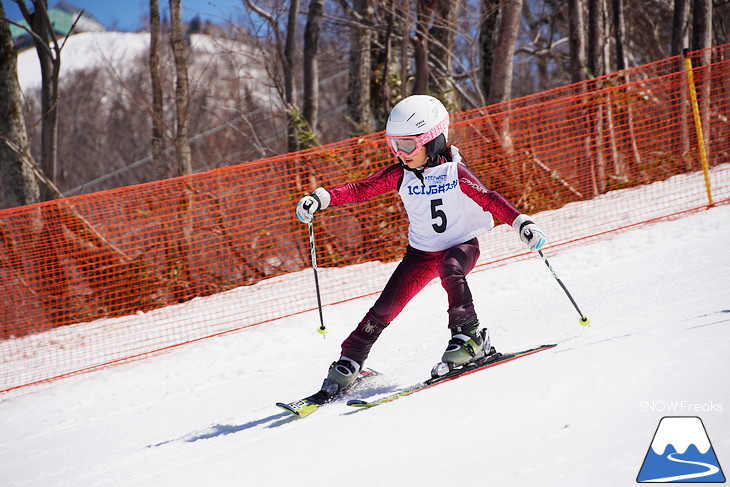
(308, 405)
(489, 361)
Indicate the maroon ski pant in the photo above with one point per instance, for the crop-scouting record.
(417, 269)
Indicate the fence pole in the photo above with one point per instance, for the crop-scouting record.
(698, 123)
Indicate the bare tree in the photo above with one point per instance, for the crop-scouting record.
(625, 117)
(359, 97)
(310, 102)
(619, 34)
(17, 184)
(596, 38)
(157, 140)
(49, 54)
(404, 27)
(721, 23)
(182, 137)
(702, 40)
(701, 24)
(433, 46)
(680, 26)
(382, 44)
(577, 41)
(680, 39)
(424, 11)
(286, 55)
(288, 62)
(509, 23)
(443, 35)
(487, 37)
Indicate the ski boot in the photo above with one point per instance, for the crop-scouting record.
(340, 376)
(468, 344)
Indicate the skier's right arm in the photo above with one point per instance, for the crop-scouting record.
(387, 179)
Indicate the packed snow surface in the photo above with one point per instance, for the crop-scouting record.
(583, 413)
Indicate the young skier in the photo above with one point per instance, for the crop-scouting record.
(448, 207)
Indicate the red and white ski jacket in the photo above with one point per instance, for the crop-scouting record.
(448, 206)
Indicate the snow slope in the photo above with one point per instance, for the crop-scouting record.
(87, 50)
(212, 62)
(583, 413)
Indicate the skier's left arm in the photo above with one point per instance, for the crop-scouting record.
(499, 206)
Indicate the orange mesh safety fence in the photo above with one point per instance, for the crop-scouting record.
(97, 279)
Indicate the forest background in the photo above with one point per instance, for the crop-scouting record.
(281, 76)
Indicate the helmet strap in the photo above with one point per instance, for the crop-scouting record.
(417, 171)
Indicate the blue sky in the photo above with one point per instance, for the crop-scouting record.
(128, 15)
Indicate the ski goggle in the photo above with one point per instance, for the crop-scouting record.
(407, 145)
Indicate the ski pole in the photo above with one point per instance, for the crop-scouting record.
(584, 320)
(322, 328)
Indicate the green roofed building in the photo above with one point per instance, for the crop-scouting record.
(62, 17)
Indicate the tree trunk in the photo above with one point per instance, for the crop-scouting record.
(596, 38)
(596, 67)
(501, 81)
(179, 251)
(18, 186)
(701, 24)
(285, 54)
(487, 41)
(405, 29)
(619, 34)
(424, 11)
(358, 90)
(387, 49)
(182, 138)
(443, 37)
(624, 117)
(310, 103)
(49, 55)
(702, 40)
(159, 164)
(288, 67)
(680, 41)
(576, 41)
(680, 27)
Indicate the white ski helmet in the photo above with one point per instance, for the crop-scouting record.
(423, 118)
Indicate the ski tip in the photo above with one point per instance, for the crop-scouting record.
(300, 408)
(537, 349)
(287, 408)
(358, 403)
